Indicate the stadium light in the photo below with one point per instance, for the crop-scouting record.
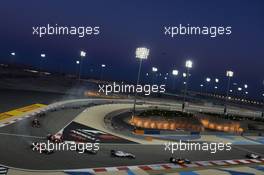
(142, 53)
(229, 74)
(184, 74)
(102, 71)
(77, 62)
(208, 80)
(13, 53)
(201, 86)
(217, 80)
(82, 55)
(154, 69)
(42, 55)
(175, 72)
(239, 89)
(245, 86)
(188, 65)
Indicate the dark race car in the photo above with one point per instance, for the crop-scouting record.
(179, 160)
(56, 138)
(122, 154)
(253, 156)
(35, 146)
(35, 123)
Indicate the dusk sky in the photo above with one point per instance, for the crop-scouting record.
(126, 25)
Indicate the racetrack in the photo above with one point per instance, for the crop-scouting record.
(15, 150)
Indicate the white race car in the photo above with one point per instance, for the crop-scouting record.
(253, 156)
(122, 154)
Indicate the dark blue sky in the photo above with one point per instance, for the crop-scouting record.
(126, 25)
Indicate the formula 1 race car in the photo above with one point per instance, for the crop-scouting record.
(253, 156)
(122, 154)
(179, 160)
(35, 146)
(56, 138)
(35, 123)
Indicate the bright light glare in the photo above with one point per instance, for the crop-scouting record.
(229, 73)
(216, 80)
(43, 55)
(82, 53)
(208, 79)
(154, 69)
(175, 72)
(201, 85)
(77, 62)
(245, 86)
(184, 74)
(13, 53)
(239, 88)
(142, 53)
(188, 64)
(103, 65)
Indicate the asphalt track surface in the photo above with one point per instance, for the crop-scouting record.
(15, 148)
(11, 99)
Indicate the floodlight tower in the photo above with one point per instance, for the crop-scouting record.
(103, 66)
(201, 86)
(188, 65)
(216, 86)
(175, 73)
(12, 57)
(208, 80)
(82, 56)
(42, 57)
(154, 70)
(229, 74)
(142, 53)
(77, 62)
